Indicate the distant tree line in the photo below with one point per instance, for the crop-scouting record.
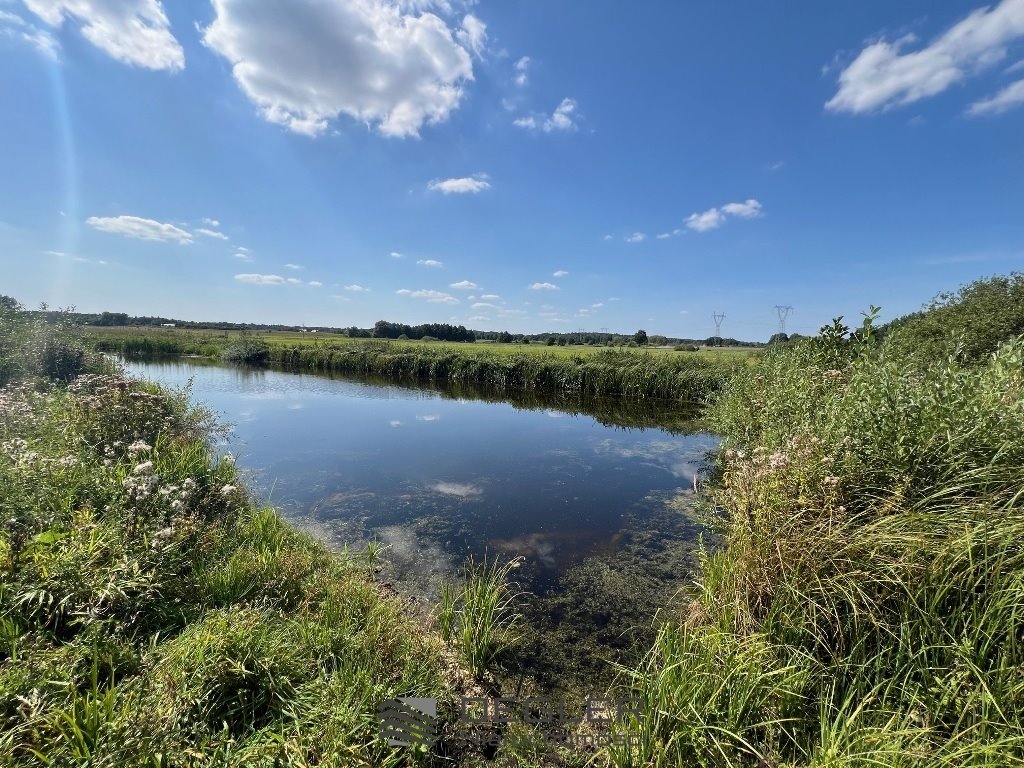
(382, 329)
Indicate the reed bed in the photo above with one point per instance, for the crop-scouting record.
(636, 375)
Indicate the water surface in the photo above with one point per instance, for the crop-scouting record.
(439, 475)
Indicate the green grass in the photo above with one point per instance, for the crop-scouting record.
(479, 613)
(683, 377)
(152, 615)
(866, 608)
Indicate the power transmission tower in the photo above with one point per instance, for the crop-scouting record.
(719, 317)
(783, 311)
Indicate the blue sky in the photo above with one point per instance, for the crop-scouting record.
(523, 165)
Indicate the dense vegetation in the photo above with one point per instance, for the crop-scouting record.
(688, 378)
(150, 614)
(867, 607)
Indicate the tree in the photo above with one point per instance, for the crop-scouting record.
(640, 337)
(778, 338)
(6, 302)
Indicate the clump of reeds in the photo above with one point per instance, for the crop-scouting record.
(478, 613)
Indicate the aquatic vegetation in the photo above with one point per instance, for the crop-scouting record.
(633, 375)
(479, 614)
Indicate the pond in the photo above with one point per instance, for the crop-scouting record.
(596, 496)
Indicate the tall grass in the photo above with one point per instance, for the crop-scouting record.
(479, 614)
(152, 615)
(637, 375)
(867, 606)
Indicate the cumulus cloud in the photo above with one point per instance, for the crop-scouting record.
(144, 229)
(306, 62)
(314, 284)
(435, 297)
(564, 118)
(713, 218)
(354, 288)
(242, 256)
(560, 273)
(465, 285)
(886, 74)
(470, 185)
(636, 237)
(544, 287)
(1011, 96)
(479, 319)
(433, 263)
(260, 279)
(490, 297)
(294, 266)
(395, 255)
(132, 31)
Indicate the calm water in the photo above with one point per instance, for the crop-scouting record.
(438, 477)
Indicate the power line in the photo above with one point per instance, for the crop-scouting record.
(719, 317)
(783, 311)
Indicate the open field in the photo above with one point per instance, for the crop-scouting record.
(211, 339)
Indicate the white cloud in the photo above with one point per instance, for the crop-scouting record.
(473, 35)
(211, 223)
(608, 237)
(436, 297)
(261, 279)
(479, 319)
(562, 119)
(664, 235)
(132, 31)
(395, 255)
(306, 62)
(544, 287)
(702, 222)
(560, 273)
(484, 305)
(294, 281)
(13, 26)
(462, 186)
(314, 284)
(713, 218)
(521, 66)
(750, 209)
(144, 229)
(354, 288)
(242, 248)
(886, 75)
(243, 256)
(636, 237)
(211, 233)
(433, 263)
(465, 285)
(598, 305)
(490, 297)
(294, 266)
(1011, 96)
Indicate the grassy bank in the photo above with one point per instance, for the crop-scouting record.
(867, 607)
(684, 377)
(151, 614)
